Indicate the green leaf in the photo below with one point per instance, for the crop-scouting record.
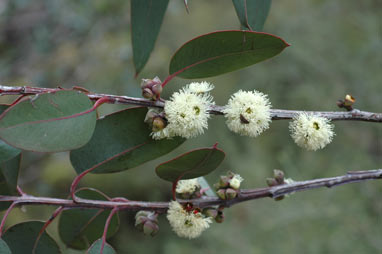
(7, 152)
(121, 141)
(96, 248)
(49, 122)
(9, 172)
(252, 14)
(146, 20)
(190, 165)
(4, 249)
(78, 228)
(21, 239)
(223, 51)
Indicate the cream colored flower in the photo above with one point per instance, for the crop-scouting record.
(248, 113)
(311, 132)
(187, 114)
(187, 224)
(187, 186)
(236, 181)
(199, 87)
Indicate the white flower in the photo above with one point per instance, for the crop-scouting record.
(187, 224)
(187, 186)
(236, 181)
(311, 132)
(199, 88)
(187, 114)
(248, 113)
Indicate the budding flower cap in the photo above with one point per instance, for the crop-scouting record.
(311, 132)
(187, 224)
(186, 113)
(199, 87)
(236, 181)
(248, 113)
(187, 186)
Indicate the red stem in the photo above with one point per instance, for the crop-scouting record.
(47, 223)
(76, 181)
(115, 209)
(5, 217)
(20, 191)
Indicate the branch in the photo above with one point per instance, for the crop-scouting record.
(161, 207)
(277, 114)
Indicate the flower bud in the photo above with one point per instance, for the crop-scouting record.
(279, 198)
(221, 194)
(158, 124)
(157, 89)
(349, 100)
(271, 182)
(230, 193)
(220, 217)
(210, 212)
(235, 181)
(224, 181)
(147, 93)
(279, 176)
(149, 83)
(150, 228)
(147, 222)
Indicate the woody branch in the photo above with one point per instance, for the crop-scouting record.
(161, 207)
(276, 114)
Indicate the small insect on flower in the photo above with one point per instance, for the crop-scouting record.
(248, 113)
(311, 132)
(187, 223)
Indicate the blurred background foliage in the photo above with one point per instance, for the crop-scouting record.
(336, 49)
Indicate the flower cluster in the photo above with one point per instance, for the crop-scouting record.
(311, 132)
(187, 223)
(248, 113)
(187, 186)
(186, 112)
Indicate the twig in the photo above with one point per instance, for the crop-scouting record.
(277, 114)
(161, 207)
(104, 235)
(6, 216)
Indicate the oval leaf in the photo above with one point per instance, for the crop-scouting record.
(121, 141)
(78, 228)
(9, 172)
(49, 122)
(7, 152)
(96, 248)
(190, 165)
(4, 249)
(252, 14)
(224, 51)
(146, 20)
(22, 237)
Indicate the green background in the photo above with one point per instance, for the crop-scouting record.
(335, 50)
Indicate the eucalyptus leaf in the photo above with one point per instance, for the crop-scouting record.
(121, 141)
(146, 20)
(220, 52)
(198, 162)
(78, 228)
(22, 237)
(49, 122)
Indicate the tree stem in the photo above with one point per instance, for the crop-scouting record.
(277, 114)
(161, 207)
